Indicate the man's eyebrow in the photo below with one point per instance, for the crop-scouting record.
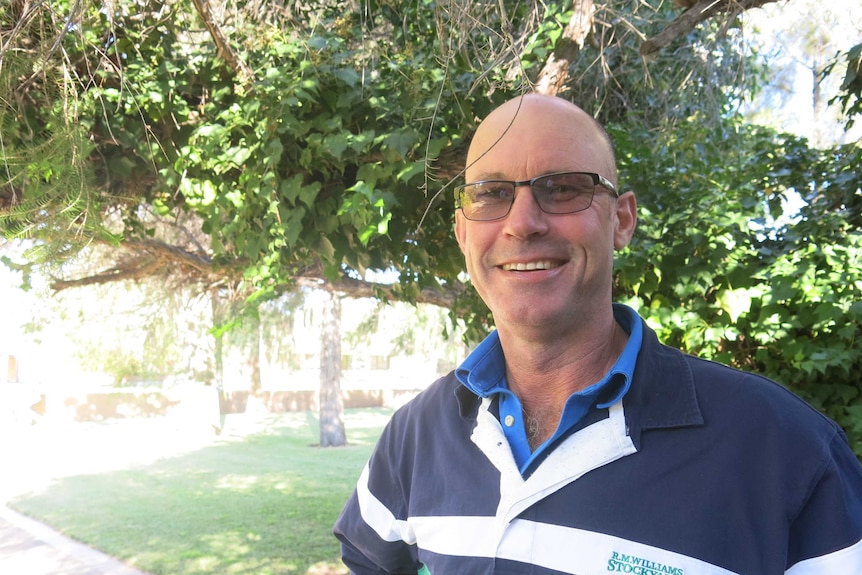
(499, 176)
(492, 176)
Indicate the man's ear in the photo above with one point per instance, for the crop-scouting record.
(460, 231)
(626, 220)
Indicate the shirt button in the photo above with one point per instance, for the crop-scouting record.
(509, 421)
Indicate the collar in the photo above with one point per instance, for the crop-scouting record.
(661, 395)
(484, 371)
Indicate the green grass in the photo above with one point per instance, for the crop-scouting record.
(263, 505)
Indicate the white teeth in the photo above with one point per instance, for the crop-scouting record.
(529, 266)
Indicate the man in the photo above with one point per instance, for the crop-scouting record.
(571, 440)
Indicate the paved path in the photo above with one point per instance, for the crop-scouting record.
(28, 547)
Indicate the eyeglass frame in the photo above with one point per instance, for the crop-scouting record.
(598, 180)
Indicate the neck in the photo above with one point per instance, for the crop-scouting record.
(544, 372)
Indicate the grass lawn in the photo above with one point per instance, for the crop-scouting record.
(262, 504)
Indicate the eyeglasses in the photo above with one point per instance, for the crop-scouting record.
(562, 193)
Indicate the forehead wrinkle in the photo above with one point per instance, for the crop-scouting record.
(501, 177)
(525, 152)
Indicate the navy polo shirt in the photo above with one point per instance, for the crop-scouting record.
(484, 373)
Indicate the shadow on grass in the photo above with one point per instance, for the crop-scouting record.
(261, 505)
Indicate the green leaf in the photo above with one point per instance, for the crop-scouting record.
(736, 301)
(323, 248)
(402, 142)
(348, 76)
(291, 188)
(274, 149)
(292, 226)
(309, 192)
(335, 144)
(412, 169)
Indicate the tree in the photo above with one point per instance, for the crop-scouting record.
(146, 138)
(305, 144)
(804, 49)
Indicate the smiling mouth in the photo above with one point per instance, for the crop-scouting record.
(530, 266)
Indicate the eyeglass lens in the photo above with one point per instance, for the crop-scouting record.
(555, 194)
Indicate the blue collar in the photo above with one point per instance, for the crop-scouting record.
(484, 373)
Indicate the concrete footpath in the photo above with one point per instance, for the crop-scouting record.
(28, 547)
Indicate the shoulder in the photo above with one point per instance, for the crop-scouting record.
(761, 425)
(425, 441)
(725, 390)
(437, 397)
(745, 419)
(443, 408)
(723, 395)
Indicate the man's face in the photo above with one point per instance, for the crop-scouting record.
(534, 269)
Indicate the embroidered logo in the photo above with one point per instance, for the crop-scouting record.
(622, 563)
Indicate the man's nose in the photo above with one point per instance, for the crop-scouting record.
(525, 217)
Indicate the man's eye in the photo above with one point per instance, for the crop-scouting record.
(493, 193)
(563, 193)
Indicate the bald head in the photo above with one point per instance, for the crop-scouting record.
(540, 133)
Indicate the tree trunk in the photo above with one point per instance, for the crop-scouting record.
(218, 417)
(331, 407)
(555, 72)
(253, 359)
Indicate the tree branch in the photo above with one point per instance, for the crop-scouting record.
(225, 50)
(146, 258)
(116, 274)
(443, 296)
(685, 22)
(152, 258)
(175, 254)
